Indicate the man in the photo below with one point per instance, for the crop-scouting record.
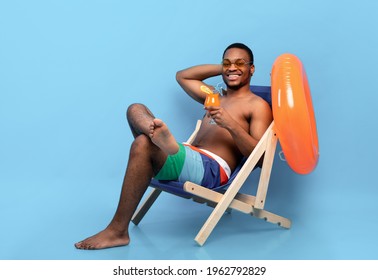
(240, 122)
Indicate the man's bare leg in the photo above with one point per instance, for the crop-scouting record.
(142, 121)
(146, 158)
(139, 118)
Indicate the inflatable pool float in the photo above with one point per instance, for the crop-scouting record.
(293, 114)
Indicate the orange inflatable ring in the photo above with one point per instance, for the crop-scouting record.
(293, 114)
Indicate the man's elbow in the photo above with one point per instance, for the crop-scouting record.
(179, 76)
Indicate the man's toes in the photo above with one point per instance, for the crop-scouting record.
(158, 122)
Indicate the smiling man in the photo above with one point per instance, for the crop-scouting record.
(240, 121)
(242, 117)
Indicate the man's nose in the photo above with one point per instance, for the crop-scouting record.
(232, 67)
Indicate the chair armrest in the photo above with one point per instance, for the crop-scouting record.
(194, 133)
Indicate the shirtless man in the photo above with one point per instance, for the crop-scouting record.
(240, 121)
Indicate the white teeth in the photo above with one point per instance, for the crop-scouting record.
(232, 77)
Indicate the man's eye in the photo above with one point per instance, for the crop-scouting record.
(239, 63)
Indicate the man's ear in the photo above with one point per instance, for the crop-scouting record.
(252, 69)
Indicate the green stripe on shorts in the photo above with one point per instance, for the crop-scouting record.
(172, 167)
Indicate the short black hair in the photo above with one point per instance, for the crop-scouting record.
(240, 46)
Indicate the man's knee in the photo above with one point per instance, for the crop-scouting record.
(133, 109)
(141, 143)
(144, 150)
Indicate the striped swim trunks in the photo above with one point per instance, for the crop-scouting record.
(198, 166)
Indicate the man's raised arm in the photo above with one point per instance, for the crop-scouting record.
(192, 78)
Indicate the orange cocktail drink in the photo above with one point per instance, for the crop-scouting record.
(212, 99)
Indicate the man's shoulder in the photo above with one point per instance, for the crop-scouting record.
(259, 106)
(257, 100)
(249, 100)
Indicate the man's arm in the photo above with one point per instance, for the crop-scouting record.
(261, 118)
(192, 78)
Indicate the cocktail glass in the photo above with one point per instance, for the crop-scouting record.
(212, 99)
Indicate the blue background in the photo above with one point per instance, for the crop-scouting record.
(69, 69)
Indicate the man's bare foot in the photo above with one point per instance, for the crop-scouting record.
(104, 239)
(162, 137)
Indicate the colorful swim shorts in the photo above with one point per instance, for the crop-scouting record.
(195, 165)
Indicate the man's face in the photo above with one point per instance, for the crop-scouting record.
(237, 71)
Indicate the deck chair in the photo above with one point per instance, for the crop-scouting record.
(227, 197)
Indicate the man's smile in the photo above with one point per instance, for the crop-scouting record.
(233, 77)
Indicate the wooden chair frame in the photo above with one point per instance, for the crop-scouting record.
(231, 198)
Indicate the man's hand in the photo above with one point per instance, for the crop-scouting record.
(220, 116)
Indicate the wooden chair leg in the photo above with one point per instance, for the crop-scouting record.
(142, 210)
(266, 170)
(272, 218)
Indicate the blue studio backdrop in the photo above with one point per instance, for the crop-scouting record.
(69, 70)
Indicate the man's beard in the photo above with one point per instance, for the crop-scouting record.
(233, 87)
